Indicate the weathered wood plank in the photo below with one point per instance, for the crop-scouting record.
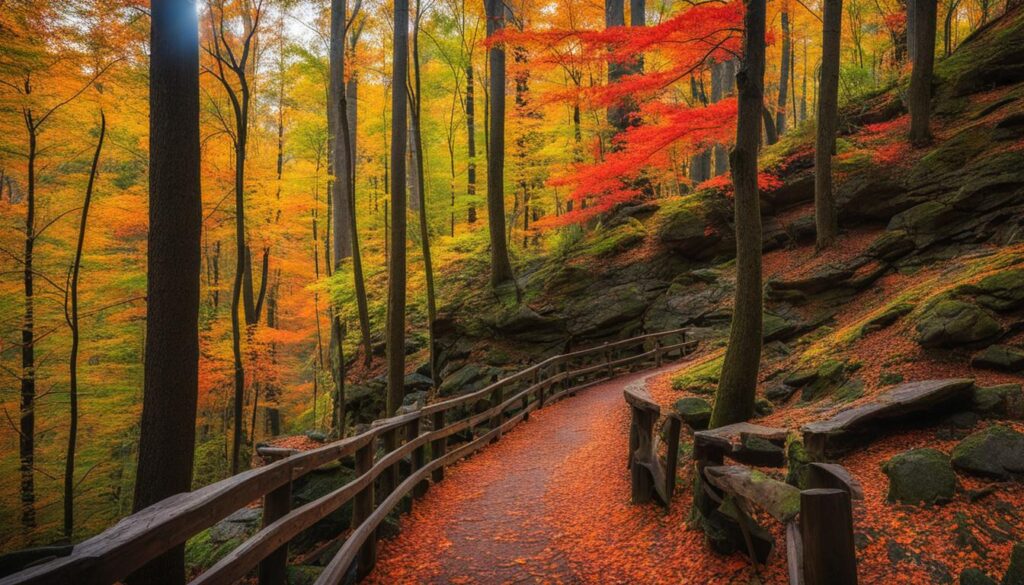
(833, 476)
(729, 437)
(778, 498)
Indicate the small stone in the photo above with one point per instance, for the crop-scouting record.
(695, 412)
(887, 318)
(920, 476)
(1000, 400)
(1003, 291)
(963, 420)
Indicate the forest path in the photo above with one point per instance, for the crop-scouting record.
(549, 503)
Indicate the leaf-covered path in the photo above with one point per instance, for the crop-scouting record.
(549, 503)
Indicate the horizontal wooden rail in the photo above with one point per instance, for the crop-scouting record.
(818, 520)
(114, 554)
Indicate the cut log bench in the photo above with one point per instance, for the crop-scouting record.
(903, 404)
(395, 461)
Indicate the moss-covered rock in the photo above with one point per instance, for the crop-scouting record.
(887, 318)
(1000, 400)
(923, 223)
(951, 323)
(1015, 572)
(777, 327)
(612, 241)
(974, 576)
(694, 411)
(797, 460)
(1000, 357)
(1000, 292)
(997, 451)
(699, 379)
(830, 375)
(920, 476)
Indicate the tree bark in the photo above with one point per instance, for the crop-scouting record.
(919, 96)
(416, 104)
(501, 267)
(397, 255)
(734, 401)
(784, 73)
(340, 155)
(71, 314)
(825, 219)
(26, 439)
(470, 146)
(171, 369)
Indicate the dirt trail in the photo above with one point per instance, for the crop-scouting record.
(549, 503)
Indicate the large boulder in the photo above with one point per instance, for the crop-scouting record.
(1002, 400)
(1000, 357)
(997, 451)
(920, 476)
(685, 229)
(467, 379)
(924, 223)
(889, 316)
(694, 411)
(1000, 292)
(951, 323)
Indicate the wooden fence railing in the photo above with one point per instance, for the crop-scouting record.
(818, 520)
(424, 441)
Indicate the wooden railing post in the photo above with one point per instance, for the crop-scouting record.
(419, 457)
(608, 363)
(438, 447)
(497, 397)
(388, 476)
(362, 507)
(657, 352)
(526, 397)
(543, 390)
(826, 529)
(675, 426)
(276, 504)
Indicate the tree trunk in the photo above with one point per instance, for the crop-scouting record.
(350, 121)
(340, 155)
(26, 439)
(171, 369)
(825, 219)
(911, 30)
(470, 146)
(919, 96)
(417, 141)
(71, 313)
(784, 74)
(501, 267)
(734, 401)
(397, 255)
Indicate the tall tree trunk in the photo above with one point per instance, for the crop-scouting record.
(341, 157)
(912, 20)
(71, 313)
(734, 401)
(825, 217)
(470, 145)
(416, 104)
(397, 254)
(26, 439)
(171, 386)
(784, 73)
(501, 267)
(919, 96)
(719, 72)
(350, 127)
